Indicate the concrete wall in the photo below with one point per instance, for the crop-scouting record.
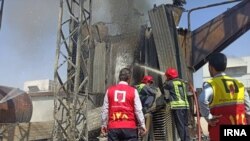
(238, 67)
(39, 85)
(42, 108)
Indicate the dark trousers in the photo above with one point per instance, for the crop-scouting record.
(122, 134)
(147, 103)
(181, 122)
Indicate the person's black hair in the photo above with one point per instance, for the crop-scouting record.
(218, 61)
(124, 74)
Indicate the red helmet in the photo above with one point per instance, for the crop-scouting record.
(171, 73)
(147, 79)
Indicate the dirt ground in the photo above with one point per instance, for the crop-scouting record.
(204, 126)
(204, 130)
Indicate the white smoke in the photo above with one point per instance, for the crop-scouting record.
(124, 16)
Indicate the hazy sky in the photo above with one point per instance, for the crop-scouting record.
(27, 41)
(28, 38)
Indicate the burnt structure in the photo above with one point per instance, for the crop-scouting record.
(102, 55)
(88, 60)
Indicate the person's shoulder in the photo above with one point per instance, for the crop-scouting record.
(124, 85)
(171, 81)
(152, 88)
(179, 79)
(206, 85)
(111, 87)
(235, 79)
(167, 83)
(149, 86)
(239, 81)
(131, 86)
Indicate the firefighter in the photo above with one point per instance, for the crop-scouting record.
(147, 92)
(178, 102)
(221, 96)
(122, 110)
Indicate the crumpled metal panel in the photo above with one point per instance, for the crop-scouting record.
(218, 33)
(161, 28)
(99, 68)
(168, 52)
(166, 39)
(15, 105)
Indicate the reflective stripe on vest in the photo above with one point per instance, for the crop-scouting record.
(181, 95)
(140, 87)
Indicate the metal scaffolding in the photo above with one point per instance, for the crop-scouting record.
(71, 70)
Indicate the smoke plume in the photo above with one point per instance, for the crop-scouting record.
(124, 16)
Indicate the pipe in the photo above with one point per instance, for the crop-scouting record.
(150, 69)
(207, 6)
(197, 111)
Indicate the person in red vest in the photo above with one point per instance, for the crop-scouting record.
(122, 111)
(223, 100)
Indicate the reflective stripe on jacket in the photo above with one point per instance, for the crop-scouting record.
(140, 87)
(178, 94)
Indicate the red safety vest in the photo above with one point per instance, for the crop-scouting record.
(228, 100)
(121, 106)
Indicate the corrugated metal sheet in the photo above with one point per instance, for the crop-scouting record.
(177, 12)
(168, 51)
(186, 51)
(16, 109)
(166, 39)
(146, 55)
(162, 32)
(218, 33)
(99, 68)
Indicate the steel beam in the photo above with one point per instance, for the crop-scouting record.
(71, 71)
(218, 33)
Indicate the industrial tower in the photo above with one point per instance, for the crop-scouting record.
(71, 70)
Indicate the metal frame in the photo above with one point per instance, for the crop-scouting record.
(207, 6)
(226, 27)
(71, 70)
